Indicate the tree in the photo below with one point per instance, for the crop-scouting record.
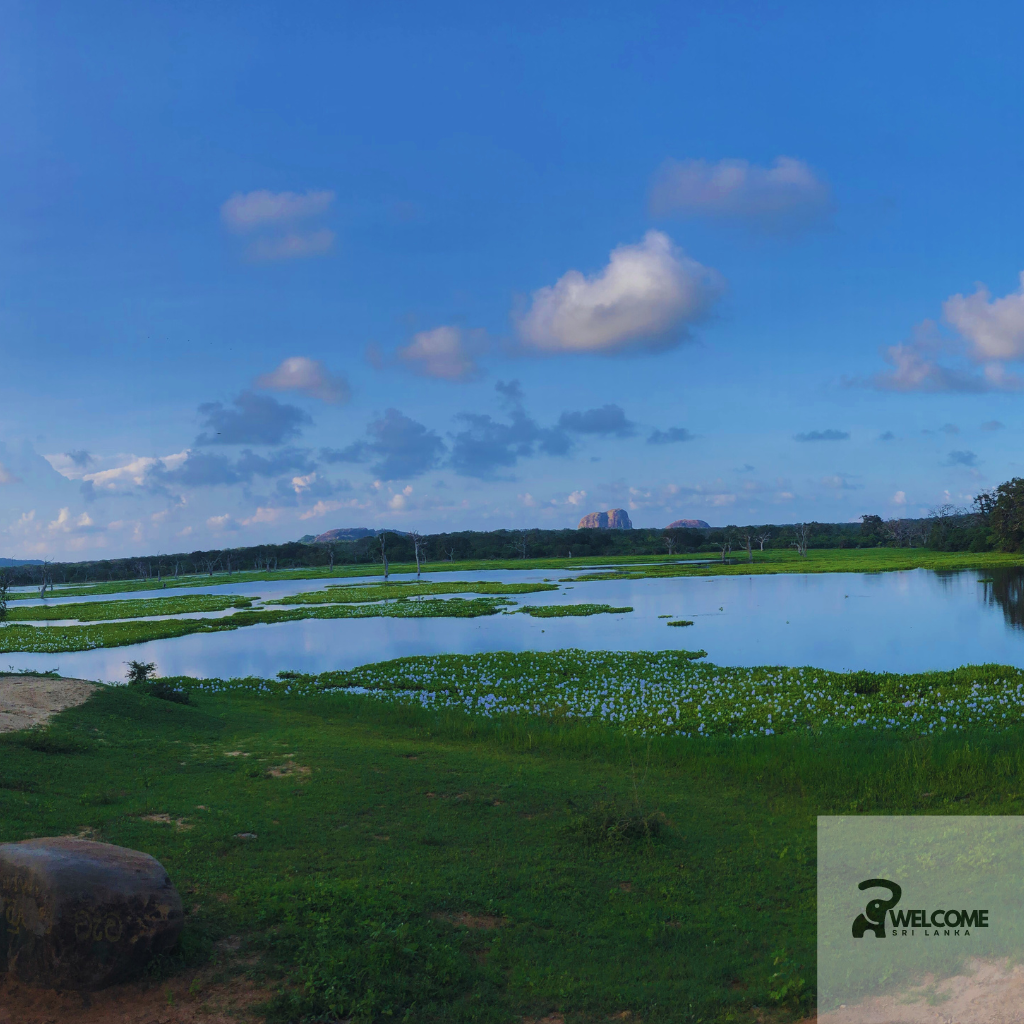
(384, 553)
(417, 547)
(521, 542)
(746, 536)
(139, 672)
(5, 585)
(670, 543)
(1006, 515)
(764, 535)
(803, 535)
(872, 530)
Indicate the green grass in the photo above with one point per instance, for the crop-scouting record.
(558, 611)
(815, 561)
(59, 639)
(94, 611)
(385, 591)
(667, 877)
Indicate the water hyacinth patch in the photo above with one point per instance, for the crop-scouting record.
(672, 693)
(557, 611)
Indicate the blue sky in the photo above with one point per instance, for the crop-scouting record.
(269, 270)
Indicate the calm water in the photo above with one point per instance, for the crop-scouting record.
(899, 621)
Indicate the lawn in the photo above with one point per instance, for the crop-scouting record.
(429, 864)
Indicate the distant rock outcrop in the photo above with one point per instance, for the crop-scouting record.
(688, 524)
(351, 533)
(613, 519)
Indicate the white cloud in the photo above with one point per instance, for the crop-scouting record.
(272, 218)
(6, 476)
(262, 515)
(247, 211)
(786, 195)
(303, 483)
(308, 376)
(224, 522)
(915, 368)
(444, 352)
(644, 298)
(995, 327)
(577, 498)
(899, 498)
(132, 472)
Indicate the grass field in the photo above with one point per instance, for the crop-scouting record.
(96, 611)
(431, 865)
(824, 560)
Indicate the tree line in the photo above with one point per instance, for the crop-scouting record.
(994, 520)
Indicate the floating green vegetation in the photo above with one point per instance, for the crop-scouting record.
(557, 611)
(354, 592)
(129, 609)
(679, 622)
(58, 639)
(671, 693)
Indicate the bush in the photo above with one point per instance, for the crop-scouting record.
(139, 672)
(165, 691)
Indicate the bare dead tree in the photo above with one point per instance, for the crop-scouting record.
(384, 554)
(725, 544)
(670, 543)
(417, 547)
(747, 539)
(521, 543)
(803, 533)
(763, 536)
(450, 552)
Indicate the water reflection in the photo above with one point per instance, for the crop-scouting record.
(1005, 587)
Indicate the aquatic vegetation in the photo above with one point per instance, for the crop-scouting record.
(94, 611)
(355, 592)
(678, 622)
(671, 693)
(57, 639)
(557, 611)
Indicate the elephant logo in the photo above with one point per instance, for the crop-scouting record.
(873, 918)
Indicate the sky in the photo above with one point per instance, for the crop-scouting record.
(268, 270)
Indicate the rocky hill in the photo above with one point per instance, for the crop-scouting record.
(613, 519)
(688, 524)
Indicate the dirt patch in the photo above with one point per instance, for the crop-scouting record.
(476, 922)
(282, 771)
(189, 999)
(31, 700)
(165, 819)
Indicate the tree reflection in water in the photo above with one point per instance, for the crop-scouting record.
(1005, 587)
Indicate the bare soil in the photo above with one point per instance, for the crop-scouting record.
(31, 700)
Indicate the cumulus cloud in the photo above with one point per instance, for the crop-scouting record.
(645, 298)
(785, 196)
(206, 469)
(255, 419)
(961, 458)
(444, 353)
(6, 476)
(608, 420)
(994, 327)
(402, 447)
(272, 219)
(308, 377)
(80, 458)
(916, 368)
(487, 445)
(823, 435)
(671, 436)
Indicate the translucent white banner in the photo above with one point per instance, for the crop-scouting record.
(920, 919)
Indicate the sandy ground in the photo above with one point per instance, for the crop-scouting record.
(30, 700)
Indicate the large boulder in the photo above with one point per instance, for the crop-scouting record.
(688, 524)
(80, 915)
(613, 519)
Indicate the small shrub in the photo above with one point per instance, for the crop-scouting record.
(864, 683)
(139, 672)
(607, 822)
(165, 691)
(47, 743)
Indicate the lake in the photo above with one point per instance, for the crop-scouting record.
(897, 621)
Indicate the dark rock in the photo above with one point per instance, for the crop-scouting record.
(80, 915)
(613, 519)
(688, 524)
